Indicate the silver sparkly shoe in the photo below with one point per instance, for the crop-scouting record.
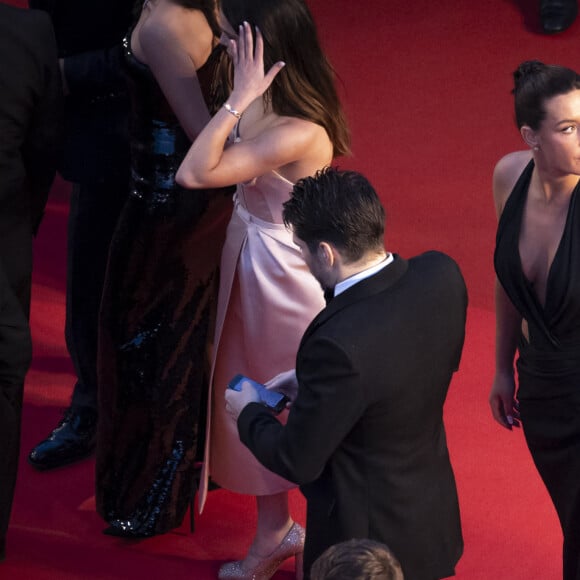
(291, 545)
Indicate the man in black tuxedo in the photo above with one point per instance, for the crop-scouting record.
(365, 437)
(30, 115)
(89, 35)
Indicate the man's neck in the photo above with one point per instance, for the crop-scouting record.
(364, 269)
(366, 262)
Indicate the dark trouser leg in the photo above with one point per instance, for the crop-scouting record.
(322, 531)
(94, 213)
(15, 357)
(10, 415)
(552, 431)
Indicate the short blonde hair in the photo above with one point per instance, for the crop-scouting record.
(357, 559)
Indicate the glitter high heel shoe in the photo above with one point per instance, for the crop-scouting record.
(291, 545)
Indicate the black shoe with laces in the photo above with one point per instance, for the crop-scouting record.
(73, 439)
(557, 15)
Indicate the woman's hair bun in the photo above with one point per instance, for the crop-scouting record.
(527, 69)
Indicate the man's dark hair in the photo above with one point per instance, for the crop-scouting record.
(338, 207)
(359, 559)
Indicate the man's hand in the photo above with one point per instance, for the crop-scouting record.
(237, 400)
(285, 383)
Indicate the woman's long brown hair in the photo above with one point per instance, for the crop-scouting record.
(305, 87)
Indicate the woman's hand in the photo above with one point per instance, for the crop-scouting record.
(504, 406)
(250, 81)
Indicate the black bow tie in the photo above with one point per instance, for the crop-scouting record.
(328, 295)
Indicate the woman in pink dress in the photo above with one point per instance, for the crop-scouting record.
(276, 127)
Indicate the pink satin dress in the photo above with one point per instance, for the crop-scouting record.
(267, 298)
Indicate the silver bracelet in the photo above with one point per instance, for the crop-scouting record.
(231, 111)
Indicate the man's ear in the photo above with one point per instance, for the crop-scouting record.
(530, 137)
(326, 254)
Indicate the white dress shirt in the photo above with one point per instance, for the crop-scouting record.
(354, 279)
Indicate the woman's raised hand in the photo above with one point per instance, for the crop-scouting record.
(250, 81)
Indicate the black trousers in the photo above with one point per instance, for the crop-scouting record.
(15, 356)
(552, 431)
(94, 211)
(10, 420)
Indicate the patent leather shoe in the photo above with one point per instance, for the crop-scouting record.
(557, 15)
(73, 439)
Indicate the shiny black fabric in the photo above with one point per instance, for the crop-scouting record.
(157, 316)
(549, 364)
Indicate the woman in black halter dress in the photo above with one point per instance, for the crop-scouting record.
(158, 308)
(537, 261)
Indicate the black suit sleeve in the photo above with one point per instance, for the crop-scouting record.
(95, 74)
(329, 403)
(42, 147)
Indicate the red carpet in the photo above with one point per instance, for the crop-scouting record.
(427, 89)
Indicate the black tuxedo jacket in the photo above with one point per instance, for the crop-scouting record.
(365, 437)
(89, 35)
(30, 133)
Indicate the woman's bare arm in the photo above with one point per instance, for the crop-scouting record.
(278, 143)
(508, 319)
(176, 42)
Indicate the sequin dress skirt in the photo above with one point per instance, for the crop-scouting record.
(157, 320)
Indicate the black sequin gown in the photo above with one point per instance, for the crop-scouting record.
(157, 317)
(549, 364)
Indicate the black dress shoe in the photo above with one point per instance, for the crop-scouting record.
(557, 15)
(2, 548)
(74, 438)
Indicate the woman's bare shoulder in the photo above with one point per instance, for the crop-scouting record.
(505, 175)
(294, 147)
(177, 27)
(513, 162)
(309, 137)
(305, 131)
